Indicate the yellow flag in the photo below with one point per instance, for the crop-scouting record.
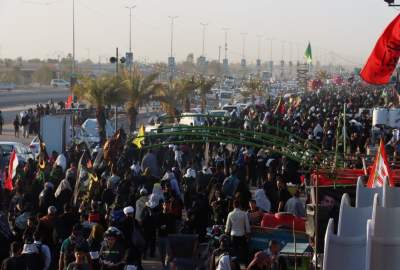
(139, 138)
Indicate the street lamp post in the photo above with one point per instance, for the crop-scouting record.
(172, 32)
(130, 38)
(204, 37)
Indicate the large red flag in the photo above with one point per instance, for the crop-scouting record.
(383, 59)
(380, 169)
(12, 170)
(69, 102)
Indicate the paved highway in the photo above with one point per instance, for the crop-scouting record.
(14, 101)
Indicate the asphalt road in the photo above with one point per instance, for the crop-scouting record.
(14, 101)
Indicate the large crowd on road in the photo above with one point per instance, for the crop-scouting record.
(115, 207)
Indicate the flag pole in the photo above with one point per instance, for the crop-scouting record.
(344, 131)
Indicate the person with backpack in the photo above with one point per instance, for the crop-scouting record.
(31, 253)
(43, 250)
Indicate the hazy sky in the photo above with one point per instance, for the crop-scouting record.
(43, 28)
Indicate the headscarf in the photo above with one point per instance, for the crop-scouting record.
(64, 184)
(156, 196)
(262, 201)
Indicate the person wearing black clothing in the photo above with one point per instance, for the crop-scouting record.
(134, 246)
(15, 261)
(271, 191)
(165, 225)
(283, 194)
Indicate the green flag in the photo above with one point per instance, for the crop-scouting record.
(308, 54)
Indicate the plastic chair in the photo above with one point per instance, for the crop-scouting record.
(385, 221)
(352, 220)
(382, 253)
(364, 195)
(344, 253)
(391, 196)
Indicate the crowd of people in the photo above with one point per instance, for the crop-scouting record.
(113, 207)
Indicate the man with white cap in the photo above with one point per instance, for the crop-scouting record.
(140, 204)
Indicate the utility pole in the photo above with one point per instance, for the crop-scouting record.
(73, 38)
(204, 37)
(226, 41)
(225, 60)
(130, 60)
(219, 54)
(172, 18)
(130, 26)
(243, 43)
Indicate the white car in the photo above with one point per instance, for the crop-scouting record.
(89, 132)
(23, 152)
(59, 83)
(35, 146)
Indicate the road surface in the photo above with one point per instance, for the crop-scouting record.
(14, 101)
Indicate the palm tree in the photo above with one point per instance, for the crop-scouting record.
(99, 92)
(205, 86)
(168, 97)
(254, 87)
(139, 90)
(185, 89)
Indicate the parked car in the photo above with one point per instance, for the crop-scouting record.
(35, 146)
(59, 83)
(23, 152)
(89, 132)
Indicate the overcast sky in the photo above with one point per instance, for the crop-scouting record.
(43, 28)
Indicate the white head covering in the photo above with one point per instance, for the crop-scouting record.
(62, 162)
(206, 170)
(262, 201)
(129, 210)
(135, 168)
(190, 173)
(156, 196)
(64, 184)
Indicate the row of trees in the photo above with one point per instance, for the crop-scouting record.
(135, 90)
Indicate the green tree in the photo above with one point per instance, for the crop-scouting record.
(139, 90)
(205, 86)
(99, 92)
(43, 75)
(185, 89)
(254, 87)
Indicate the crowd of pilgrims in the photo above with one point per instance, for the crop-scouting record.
(66, 214)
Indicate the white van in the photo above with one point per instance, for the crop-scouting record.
(192, 119)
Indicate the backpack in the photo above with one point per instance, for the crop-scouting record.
(35, 261)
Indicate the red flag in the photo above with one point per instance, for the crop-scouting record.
(383, 59)
(380, 169)
(12, 169)
(69, 102)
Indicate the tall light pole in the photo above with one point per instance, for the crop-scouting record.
(204, 38)
(226, 41)
(73, 38)
(171, 59)
(172, 18)
(243, 43)
(130, 26)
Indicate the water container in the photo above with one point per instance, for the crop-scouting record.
(380, 116)
(394, 118)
